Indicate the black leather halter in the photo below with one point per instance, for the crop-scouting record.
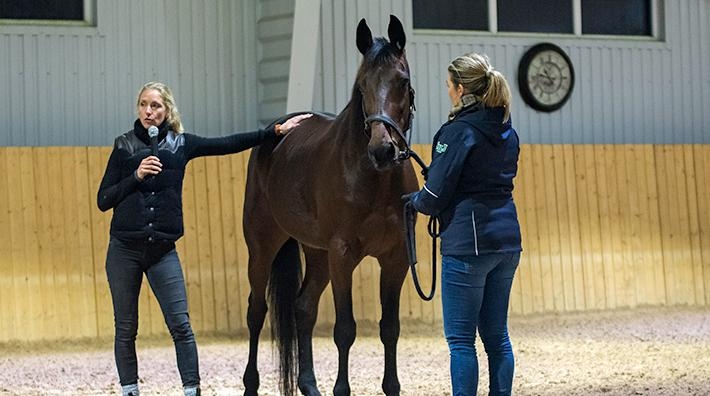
(392, 125)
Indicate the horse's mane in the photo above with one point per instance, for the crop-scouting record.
(381, 52)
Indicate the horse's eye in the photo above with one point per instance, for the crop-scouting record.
(405, 82)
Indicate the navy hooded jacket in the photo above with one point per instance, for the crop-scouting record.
(470, 183)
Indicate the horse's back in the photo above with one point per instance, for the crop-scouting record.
(299, 139)
(284, 174)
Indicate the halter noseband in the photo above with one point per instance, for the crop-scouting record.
(388, 121)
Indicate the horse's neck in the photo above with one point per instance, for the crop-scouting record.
(349, 131)
(351, 120)
(352, 139)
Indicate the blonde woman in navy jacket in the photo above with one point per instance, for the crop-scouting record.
(469, 188)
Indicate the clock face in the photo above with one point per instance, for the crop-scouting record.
(545, 77)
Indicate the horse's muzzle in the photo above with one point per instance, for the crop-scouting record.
(382, 148)
(383, 156)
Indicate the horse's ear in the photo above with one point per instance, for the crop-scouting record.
(396, 33)
(364, 37)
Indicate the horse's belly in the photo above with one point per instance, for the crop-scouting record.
(303, 230)
(293, 209)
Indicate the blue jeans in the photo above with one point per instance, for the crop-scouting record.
(475, 291)
(126, 262)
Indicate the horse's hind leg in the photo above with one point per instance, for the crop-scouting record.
(393, 271)
(256, 314)
(314, 282)
(263, 246)
(259, 270)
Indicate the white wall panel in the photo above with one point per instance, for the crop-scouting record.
(77, 85)
(274, 52)
(228, 62)
(626, 91)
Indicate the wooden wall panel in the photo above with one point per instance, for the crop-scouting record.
(521, 294)
(240, 288)
(565, 256)
(572, 227)
(8, 327)
(58, 238)
(229, 229)
(604, 227)
(702, 183)
(20, 225)
(100, 237)
(695, 251)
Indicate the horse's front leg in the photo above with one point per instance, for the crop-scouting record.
(314, 282)
(341, 277)
(393, 271)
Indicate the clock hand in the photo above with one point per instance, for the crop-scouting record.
(547, 80)
(547, 74)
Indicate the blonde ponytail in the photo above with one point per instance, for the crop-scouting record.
(498, 93)
(475, 73)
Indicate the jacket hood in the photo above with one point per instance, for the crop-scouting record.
(488, 121)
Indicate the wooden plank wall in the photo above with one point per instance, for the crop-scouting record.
(604, 227)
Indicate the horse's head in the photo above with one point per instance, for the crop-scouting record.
(387, 98)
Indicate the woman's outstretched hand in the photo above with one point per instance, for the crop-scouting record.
(288, 125)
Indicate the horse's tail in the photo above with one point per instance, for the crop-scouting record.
(284, 284)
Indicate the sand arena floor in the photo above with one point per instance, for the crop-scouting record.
(660, 351)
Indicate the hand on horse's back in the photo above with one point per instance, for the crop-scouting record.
(291, 123)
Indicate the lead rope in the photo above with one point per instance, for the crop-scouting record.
(432, 229)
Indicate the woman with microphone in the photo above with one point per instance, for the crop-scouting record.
(143, 185)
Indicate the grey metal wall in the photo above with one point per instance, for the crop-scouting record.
(339, 57)
(227, 61)
(274, 54)
(78, 85)
(627, 90)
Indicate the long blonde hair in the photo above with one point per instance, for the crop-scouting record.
(173, 115)
(475, 73)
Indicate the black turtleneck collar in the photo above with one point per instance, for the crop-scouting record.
(142, 132)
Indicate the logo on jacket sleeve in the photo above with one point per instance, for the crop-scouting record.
(441, 147)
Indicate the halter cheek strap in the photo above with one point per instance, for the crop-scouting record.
(387, 120)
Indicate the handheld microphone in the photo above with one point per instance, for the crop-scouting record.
(153, 134)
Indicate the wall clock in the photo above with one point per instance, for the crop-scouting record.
(545, 77)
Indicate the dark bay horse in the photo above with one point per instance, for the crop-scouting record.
(333, 185)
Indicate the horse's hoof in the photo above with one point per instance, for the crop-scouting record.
(307, 383)
(391, 390)
(251, 383)
(341, 390)
(309, 390)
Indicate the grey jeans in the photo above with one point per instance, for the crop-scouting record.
(126, 262)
